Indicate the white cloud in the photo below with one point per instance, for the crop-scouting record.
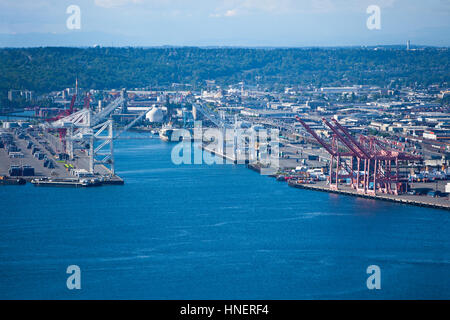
(230, 8)
(230, 13)
(114, 3)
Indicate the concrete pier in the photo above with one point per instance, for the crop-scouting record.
(421, 201)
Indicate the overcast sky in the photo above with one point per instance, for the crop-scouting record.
(224, 22)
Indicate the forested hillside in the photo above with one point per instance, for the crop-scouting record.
(46, 69)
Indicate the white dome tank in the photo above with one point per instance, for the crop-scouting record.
(155, 115)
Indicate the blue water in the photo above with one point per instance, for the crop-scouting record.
(214, 232)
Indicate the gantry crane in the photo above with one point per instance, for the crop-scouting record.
(85, 128)
(371, 154)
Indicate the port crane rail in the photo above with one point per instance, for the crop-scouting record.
(372, 156)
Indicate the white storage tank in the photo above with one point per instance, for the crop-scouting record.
(155, 115)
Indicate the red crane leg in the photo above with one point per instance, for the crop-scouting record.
(357, 174)
(375, 177)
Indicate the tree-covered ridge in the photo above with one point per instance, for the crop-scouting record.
(46, 69)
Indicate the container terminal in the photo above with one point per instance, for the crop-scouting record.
(364, 166)
(75, 146)
(420, 193)
(30, 155)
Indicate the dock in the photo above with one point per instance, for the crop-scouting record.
(421, 201)
(77, 183)
(225, 156)
(46, 168)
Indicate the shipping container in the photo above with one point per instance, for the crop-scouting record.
(27, 171)
(15, 171)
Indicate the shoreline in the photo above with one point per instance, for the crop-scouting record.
(368, 196)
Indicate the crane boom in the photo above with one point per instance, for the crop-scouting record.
(342, 139)
(314, 134)
(128, 126)
(350, 137)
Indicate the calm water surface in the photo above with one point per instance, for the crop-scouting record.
(214, 232)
